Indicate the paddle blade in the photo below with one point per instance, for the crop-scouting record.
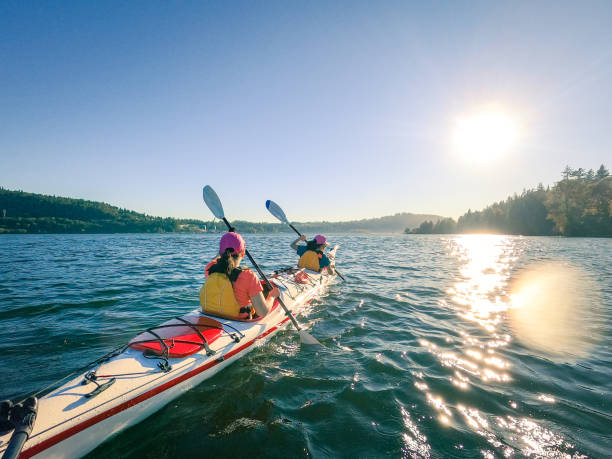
(212, 201)
(307, 338)
(275, 210)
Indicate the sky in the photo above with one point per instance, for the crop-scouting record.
(336, 110)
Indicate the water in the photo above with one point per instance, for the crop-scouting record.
(431, 347)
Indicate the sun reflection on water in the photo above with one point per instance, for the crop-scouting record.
(415, 443)
(484, 275)
(484, 294)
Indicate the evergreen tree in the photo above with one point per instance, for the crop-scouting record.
(602, 173)
(590, 175)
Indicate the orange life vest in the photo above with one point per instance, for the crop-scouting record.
(217, 298)
(310, 260)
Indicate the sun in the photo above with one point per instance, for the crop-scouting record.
(485, 135)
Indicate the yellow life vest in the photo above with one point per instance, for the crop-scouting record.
(310, 260)
(217, 297)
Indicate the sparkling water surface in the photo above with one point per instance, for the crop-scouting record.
(436, 346)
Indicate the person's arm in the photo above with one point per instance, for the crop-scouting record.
(325, 262)
(295, 243)
(264, 305)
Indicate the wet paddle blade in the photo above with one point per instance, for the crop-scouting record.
(307, 338)
(212, 201)
(275, 210)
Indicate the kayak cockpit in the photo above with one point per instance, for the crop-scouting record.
(181, 337)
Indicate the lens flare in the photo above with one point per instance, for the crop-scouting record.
(553, 309)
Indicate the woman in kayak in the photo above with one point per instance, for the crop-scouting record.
(231, 291)
(311, 254)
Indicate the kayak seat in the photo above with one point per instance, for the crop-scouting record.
(182, 339)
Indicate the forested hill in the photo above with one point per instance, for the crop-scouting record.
(580, 204)
(22, 212)
(391, 223)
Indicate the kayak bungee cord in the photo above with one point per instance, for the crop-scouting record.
(55, 384)
(19, 416)
(235, 334)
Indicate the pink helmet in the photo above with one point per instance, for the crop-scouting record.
(320, 239)
(232, 241)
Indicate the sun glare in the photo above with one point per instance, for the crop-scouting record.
(555, 308)
(484, 136)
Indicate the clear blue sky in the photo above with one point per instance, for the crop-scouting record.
(335, 110)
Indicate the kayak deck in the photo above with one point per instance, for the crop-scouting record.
(154, 368)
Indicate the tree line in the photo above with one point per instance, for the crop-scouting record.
(22, 212)
(580, 204)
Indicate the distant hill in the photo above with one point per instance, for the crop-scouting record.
(22, 212)
(388, 224)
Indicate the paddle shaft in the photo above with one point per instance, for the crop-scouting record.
(293, 228)
(263, 276)
(23, 417)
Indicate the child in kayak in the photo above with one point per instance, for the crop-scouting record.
(311, 254)
(231, 291)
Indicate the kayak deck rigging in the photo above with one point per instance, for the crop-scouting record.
(150, 352)
(124, 386)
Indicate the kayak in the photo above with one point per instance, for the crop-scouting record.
(132, 382)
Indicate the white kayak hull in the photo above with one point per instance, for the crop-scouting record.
(69, 424)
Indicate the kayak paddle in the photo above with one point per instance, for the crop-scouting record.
(278, 213)
(214, 204)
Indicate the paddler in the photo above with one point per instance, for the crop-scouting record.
(232, 291)
(312, 254)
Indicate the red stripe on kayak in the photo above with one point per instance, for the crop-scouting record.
(48, 443)
(263, 335)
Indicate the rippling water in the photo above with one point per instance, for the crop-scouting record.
(437, 346)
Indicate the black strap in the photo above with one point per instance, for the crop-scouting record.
(235, 273)
(232, 277)
(209, 351)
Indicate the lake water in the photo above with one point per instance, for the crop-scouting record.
(437, 346)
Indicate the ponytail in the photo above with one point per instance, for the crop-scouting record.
(224, 265)
(312, 245)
